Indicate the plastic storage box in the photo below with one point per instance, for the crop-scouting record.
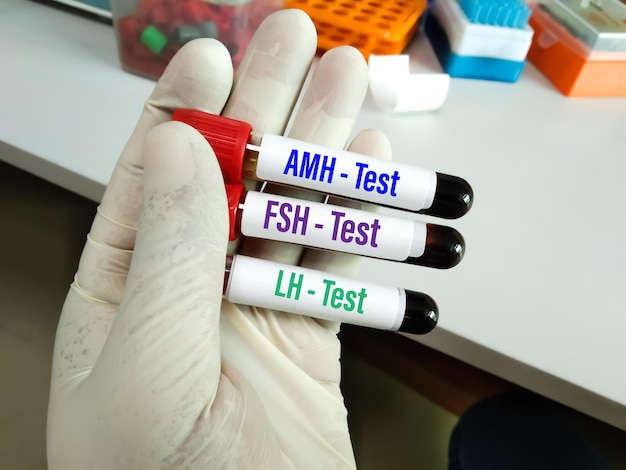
(372, 26)
(150, 32)
(467, 49)
(581, 49)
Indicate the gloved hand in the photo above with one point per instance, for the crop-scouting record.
(151, 369)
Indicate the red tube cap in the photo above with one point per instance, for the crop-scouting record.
(228, 138)
(235, 193)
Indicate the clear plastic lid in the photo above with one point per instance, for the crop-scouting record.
(599, 24)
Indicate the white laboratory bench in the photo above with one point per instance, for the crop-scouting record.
(540, 297)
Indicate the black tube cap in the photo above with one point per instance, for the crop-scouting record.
(444, 248)
(420, 315)
(453, 198)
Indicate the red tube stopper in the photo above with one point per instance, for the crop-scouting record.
(234, 194)
(228, 138)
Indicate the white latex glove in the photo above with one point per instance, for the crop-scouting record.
(151, 369)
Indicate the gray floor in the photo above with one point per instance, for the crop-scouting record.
(41, 236)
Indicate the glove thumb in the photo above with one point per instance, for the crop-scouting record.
(163, 350)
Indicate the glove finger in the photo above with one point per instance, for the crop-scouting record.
(163, 348)
(271, 74)
(199, 76)
(325, 116)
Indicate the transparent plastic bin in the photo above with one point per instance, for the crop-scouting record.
(150, 32)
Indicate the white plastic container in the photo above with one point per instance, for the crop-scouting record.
(480, 40)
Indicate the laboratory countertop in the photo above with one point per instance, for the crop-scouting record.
(539, 298)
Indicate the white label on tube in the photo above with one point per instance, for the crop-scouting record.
(314, 293)
(344, 173)
(331, 227)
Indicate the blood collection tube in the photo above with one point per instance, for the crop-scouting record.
(341, 173)
(304, 291)
(326, 226)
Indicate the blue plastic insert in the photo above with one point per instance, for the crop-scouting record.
(507, 13)
(483, 68)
